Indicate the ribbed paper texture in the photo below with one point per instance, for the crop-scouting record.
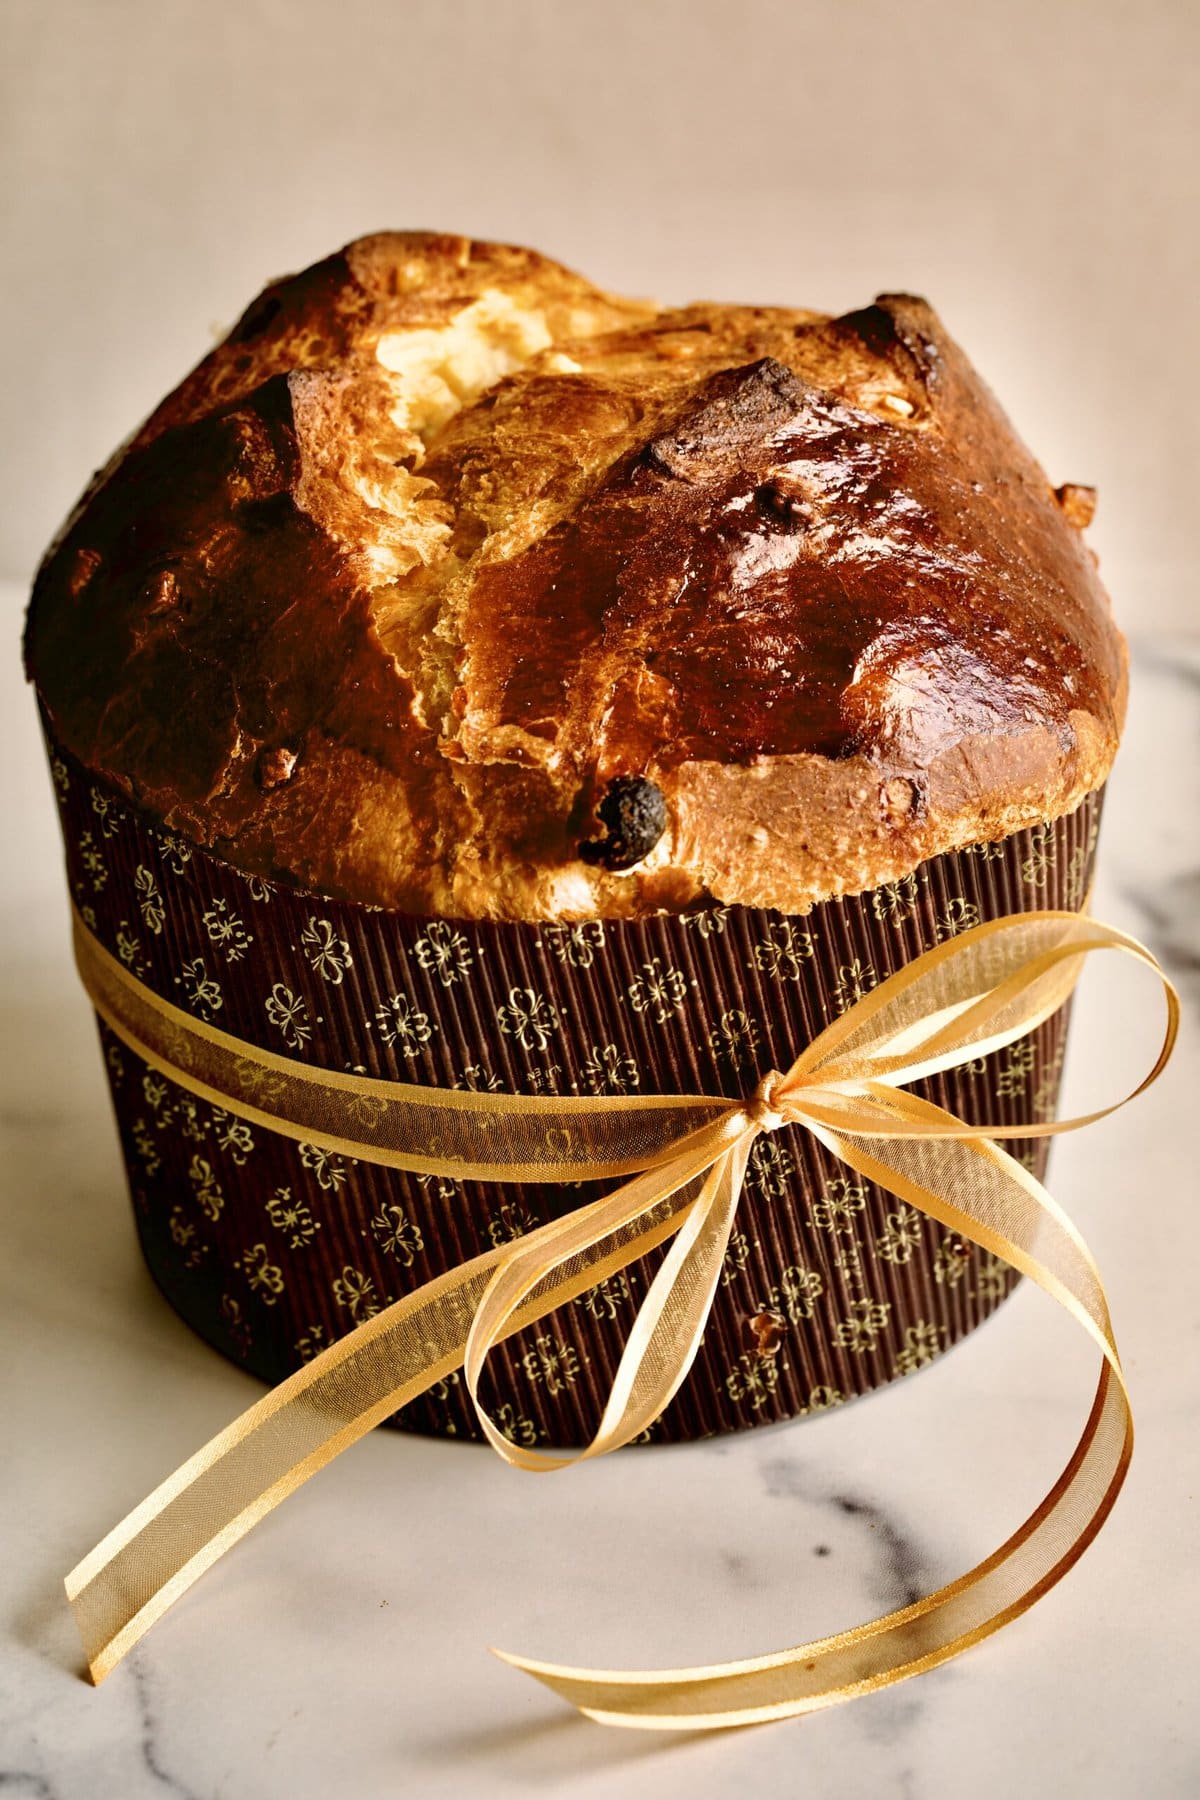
(270, 1249)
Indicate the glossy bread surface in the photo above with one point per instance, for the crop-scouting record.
(451, 583)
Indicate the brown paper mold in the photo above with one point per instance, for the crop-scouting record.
(271, 1249)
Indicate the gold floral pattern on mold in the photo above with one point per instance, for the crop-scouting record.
(796, 1293)
(605, 1300)
(901, 1235)
(232, 1135)
(528, 1017)
(236, 1324)
(922, 1345)
(326, 952)
(608, 1071)
(659, 990)
(325, 1166)
(859, 1331)
(822, 1399)
(150, 900)
(551, 1363)
(770, 1168)
(403, 1026)
(509, 1221)
(992, 1278)
(839, 1280)
(735, 1039)
(895, 901)
(737, 1255)
(185, 1237)
(92, 860)
(780, 953)
(840, 1203)
(312, 1343)
(290, 1214)
(175, 851)
(515, 1426)
(129, 950)
(577, 945)
(854, 979)
(263, 1277)
(707, 922)
(957, 916)
(109, 814)
(444, 952)
(1019, 1061)
(1043, 854)
(752, 1380)
(354, 1292)
(478, 1080)
(397, 1235)
(288, 1013)
(207, 1189)
(440, 1187)
(1045, 1095)
(188, 1118)
(951, 1261)
(227, 931)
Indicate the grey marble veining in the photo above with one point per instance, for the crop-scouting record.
(340, 1649)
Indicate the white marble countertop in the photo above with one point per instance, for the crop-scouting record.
(340, 1650)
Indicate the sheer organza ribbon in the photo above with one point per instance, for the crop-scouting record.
(687, 1156)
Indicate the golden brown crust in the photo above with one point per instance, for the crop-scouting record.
(449, 582)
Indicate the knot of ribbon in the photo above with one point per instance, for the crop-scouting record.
(685, 1157)
(767, 1106)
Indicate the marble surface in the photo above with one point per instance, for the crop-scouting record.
(341, 1649)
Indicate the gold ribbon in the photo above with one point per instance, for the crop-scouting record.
(962, 1000)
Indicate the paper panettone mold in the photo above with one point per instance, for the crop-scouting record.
(271, 1249)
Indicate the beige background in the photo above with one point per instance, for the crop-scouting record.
(1030, 165)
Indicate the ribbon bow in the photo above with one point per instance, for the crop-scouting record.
(687, 1156)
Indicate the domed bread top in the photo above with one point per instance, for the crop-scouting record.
(451, 583)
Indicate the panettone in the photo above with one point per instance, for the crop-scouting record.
(471, 679)
(509, 738)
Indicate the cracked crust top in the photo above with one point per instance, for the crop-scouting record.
(450, 583)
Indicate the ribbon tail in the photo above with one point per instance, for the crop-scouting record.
(1000, 1206)
(669, 1328)
(155, 1554)
(890, 1649)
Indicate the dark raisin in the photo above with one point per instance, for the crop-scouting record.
(780, 507)
(634, 815)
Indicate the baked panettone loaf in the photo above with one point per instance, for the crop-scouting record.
(463, 680)
(451, 583)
